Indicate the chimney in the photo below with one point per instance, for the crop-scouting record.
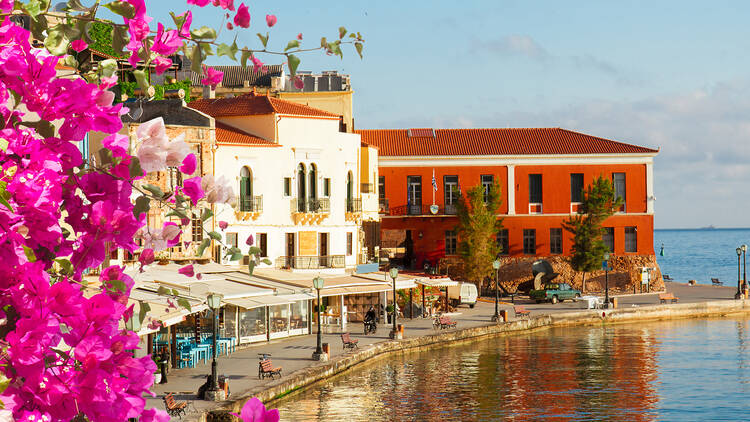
(208, 93)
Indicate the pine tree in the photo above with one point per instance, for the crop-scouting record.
(477, 231)
(599, 203)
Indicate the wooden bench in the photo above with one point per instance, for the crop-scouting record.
(666, 297)
(446, 322)
(348, 342)
(521, 312)
(716, 282)
(266, 369)
(174, 408)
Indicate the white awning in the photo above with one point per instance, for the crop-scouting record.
(270, 300)
(353, 290)
(437, 282)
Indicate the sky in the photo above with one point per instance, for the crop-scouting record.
(671, 75)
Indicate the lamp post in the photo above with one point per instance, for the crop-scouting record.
(605, 264)
(318, 354)
(744, 267)
(739, 280)
(496, 266)
(394, 273)
(214, 302)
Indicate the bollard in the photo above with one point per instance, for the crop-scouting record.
(504, 315)
(326, 349)
(401, 330)
(614, 302)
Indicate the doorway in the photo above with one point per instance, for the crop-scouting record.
(290, 248)
(323, 250)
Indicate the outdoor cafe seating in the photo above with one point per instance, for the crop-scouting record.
(190, 353)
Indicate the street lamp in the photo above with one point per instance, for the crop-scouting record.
(605, 264)
(496, 266)
(318, 284)
(744, 267)
(739, 287)
(214, 302)
(394, 273)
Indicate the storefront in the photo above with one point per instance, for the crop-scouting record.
(270, 317)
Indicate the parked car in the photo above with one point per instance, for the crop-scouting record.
(554, 292)
(463, 294)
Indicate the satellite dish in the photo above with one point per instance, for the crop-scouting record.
(136, 114)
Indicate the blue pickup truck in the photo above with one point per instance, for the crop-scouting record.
(554, 292)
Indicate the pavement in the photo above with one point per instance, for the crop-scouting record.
(294, 353)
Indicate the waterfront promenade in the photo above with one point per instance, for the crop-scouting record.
(294, 354)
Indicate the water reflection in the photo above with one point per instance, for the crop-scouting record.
(621, 373)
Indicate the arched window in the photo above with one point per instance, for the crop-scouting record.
(246, 189)
(313, 182)
(301, 192)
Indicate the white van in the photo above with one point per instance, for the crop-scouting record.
(463, 294)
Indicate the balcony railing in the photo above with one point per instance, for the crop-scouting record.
(311, 262)
(367, 187)
(318, 205)
(250, 203)
(354, 205)
(449, 209)
(383, 206)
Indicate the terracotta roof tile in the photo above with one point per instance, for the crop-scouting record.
(254, 104)
(531, 141)
(235, 76)
(226, 134)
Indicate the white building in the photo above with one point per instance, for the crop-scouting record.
(297, 175)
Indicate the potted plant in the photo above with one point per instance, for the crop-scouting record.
(158, 361)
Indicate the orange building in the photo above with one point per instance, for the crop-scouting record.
(541, 173)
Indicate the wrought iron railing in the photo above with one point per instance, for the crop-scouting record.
(311, 262)
(449, 209)
(354, 205)
(383, 206)
(317, 205)
(250, 203)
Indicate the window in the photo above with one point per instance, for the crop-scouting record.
(414, 194)
(175, 178)
(618, 180)
(451, 242)
(631, 239)
(327, 186)
(381, 188)
(535, 188)
(529, 241)
(502, 241)
(349, 243)
(450, 192)
(576, 187)
(555, 241)
(287, 186)
(608, 237)
(246, 189)
(197, 228)
(263, 243)
(232, 239)
(312, 185)
(487, 180)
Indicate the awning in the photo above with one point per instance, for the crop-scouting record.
(353, 290)
(160, 309)
(258, 301)
(437, 282)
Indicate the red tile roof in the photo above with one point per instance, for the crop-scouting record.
(254, 104)
(226, 134)
(532, 141)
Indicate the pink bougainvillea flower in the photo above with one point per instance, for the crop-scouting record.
(250, 240)
(187, 270)
(6, 6)
(298, 83)
(162, 64)
(270, 20)
(192, 188)
(242, 18)
(255, 411)
(199, 276)
(223, 225)
(218, 191)
(177, 150)
(225, 4)
(108, 81)
(171, 304)
(299, 36)
(257, 64)
(185, 28)
(184, 221)
(146, 258)
(166, 42)
(171, 233)
(79, 45)
(117, 143)
(153, 150)
(199, 3)
(212, 77)
(230, 26)
(154, 324)
(189, 164)
(154, 415)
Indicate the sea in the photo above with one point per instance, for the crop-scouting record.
(700, 254)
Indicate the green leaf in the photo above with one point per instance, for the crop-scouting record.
(5, 196)
(120, 38)
(65, 265)
(162, 291)
(266, 261)
(175, 292)
(206, 214)
(117, 285)
(293, 63)
(108, 67)
(254, 250)
(292, 44)
(263, 39)
(29, 253)
(142, 79)
(142, 205)
(233, 250)
(358, 46)
(4, 382)
(42, 127)
(145, 308)
(76, 6)
(236, 257)
(135, 167)
(3, 145)
(323, 42)
(204, 244)
(155, 190)
(177, 213)
(38, 26)
(71, 61)
(197, 60)
(184, 303)
(121, 8)
(228, 50)
(105, 156)
(251, 267)
(33, 8)
(245, 55)
(342, 32)
(56, 43)
(178, 20)
(214, 235)
(203, 33)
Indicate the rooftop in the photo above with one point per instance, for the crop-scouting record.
(229, 135)
(255, 104)
(516, 141)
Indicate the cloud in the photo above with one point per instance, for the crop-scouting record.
(522, 45)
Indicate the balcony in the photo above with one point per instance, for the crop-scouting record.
(383, 206)
(250, 203)
(311, 262)
(422, 210)
(354, 205)
(310, 211)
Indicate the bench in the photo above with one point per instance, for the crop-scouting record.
(521, 312)
(716, 282)
(667, 297)
(174, 408)
(266, 369)
(348, 342)
(446, 322)
(667, 277)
